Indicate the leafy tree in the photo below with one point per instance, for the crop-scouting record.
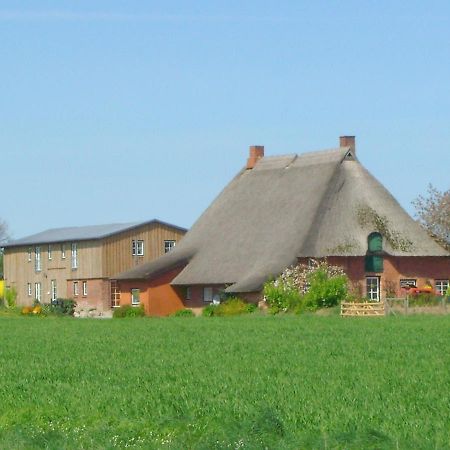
(433, 213)
(3, 238)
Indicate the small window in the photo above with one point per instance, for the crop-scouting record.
(407, 283)
(169, 245)
(84, 288)
(188, 293)
(75, 288)
(49, 251)
(442, 286)
(63, 251)
(37, 259)
(135, 296)
(29, 289)
(373, 288)
(74, 256)
(29, 254)
(37, 291)
(115, 294)
(208, 294)
(137, 248)
(375, 242)
(53, 290)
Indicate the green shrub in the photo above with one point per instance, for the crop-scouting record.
(281, 297)
(129, 311)
(233, 306)
(10, 297)
(208, 311)
(183, 313)
(63, 306)
(424, 299)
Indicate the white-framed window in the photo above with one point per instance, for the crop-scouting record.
(49, 251)
(75, 288)
(53, 292)
(373, 288)
(37, 259)
(29, 290)
(135, 296)
(188, 293)
(63, 251)
(74, 254)
(29, 254)
(208, 294)
(441, 286)
(84, 288)
(169, 245)
(37, 291)
(137, 247)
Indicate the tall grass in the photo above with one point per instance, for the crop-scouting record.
(246, 382)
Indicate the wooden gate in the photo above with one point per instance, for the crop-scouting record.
(351, 309)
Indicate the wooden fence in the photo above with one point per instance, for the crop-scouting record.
(363, 309)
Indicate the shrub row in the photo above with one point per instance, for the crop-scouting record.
(129, 311)
(233, 306)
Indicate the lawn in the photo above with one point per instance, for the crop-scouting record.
(205, 383)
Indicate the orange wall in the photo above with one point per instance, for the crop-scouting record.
(157, 296)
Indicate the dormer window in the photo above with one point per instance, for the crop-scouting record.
(374, 258)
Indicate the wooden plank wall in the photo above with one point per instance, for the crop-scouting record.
(117, 250)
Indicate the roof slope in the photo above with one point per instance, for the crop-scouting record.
(314, 204)
(82, 233)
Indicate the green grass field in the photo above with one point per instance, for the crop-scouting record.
(246, 382)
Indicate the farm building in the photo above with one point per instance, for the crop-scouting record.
(284, 210)
(78, 262)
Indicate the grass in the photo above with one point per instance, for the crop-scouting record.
(246, 382)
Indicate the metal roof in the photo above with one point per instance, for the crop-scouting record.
(83, 233)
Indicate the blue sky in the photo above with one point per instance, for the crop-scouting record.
(116, 111)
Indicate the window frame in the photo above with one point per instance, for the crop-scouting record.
(188, 295)
(37, 259)
(441, 290)
(133, 302)
(75, 289)
(370, 292)
(169, 245)
(137, 247)
(210, 290)
(29, 289)
(63, 251)
(38, 291)
(53, 291)
(49, 252)
(84, 288)
(74, 255)
(30, 251)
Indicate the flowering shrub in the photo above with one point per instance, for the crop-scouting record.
(313, 286)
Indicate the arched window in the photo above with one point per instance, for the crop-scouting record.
(375, 242)
(374, 261)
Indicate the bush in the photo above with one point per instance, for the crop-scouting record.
(63, 306)
(300, 288)
(129, 311)
(183, 313)
(208, 311)
(233, 306)
(10, 297)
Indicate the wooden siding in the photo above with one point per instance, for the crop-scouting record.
(19, 271)
(117, 250)
(96, 260)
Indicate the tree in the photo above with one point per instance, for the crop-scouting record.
(433, 213)
(3, 238)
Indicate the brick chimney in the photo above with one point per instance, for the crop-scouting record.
(256, 153)
(348, 141)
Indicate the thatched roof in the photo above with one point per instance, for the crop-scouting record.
(309, 205)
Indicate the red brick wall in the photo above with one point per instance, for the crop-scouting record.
(422, 269)
(98, 293)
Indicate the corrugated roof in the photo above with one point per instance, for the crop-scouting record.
(82, 233)
(292, 206)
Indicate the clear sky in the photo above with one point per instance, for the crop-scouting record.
(117, 111)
